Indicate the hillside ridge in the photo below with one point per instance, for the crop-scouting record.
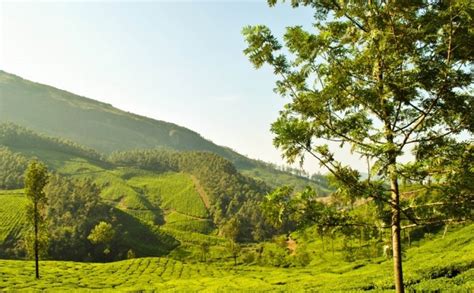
(101, 126)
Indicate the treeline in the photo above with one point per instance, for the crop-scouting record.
(234, 198)
(13, 135)
(12, 168)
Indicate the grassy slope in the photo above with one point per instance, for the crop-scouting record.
(56, 112)
(442, 264)
(148, 196)
(12, 213)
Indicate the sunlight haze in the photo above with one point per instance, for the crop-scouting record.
(180, 62)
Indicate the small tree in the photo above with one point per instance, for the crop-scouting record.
(231, 229)
(36, 177)
(234, 249)
(205, 247)
(131, 254)
(102, 233)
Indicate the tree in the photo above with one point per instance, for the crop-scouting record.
(384, 77)
(131, 254)
(278, 206)
(205, 247)
(234, 249)
(231, 229)
(36, 177)
(103, 233)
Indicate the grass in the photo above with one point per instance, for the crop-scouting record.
(440, 264)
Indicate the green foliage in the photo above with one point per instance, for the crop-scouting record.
(36, 178)
(383, 78)
(130, 254)
(12, 169)
(74, 208)
(214, 190)
(225, 191)
(234, 250)
(102, 233)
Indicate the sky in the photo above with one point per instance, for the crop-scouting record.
(180, 62)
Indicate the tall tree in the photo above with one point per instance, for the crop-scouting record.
(385, 77)
(36, 177)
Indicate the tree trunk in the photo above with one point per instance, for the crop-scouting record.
(445, 229)
(36, 240)
(409, 237)
(396, 241)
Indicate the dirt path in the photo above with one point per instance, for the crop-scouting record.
(201, 192)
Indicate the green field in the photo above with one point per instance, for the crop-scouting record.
(439, 264)
(178, 221)
(176, 191)
(12, 214)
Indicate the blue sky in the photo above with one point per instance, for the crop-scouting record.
(180, 62)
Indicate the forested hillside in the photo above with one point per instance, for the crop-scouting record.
(102, 127)
(152, 194)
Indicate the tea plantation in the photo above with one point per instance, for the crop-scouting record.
(445, 264)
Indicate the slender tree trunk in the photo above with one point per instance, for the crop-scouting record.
(36, 240)
(396, 241)
(409, 237)
(445, 229)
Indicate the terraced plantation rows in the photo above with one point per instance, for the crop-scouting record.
(184, 222)
(445, 264)
(176, 190)
(12, 213)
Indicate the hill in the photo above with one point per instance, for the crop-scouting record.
(104, 128)
(443, 263)
(189, 196)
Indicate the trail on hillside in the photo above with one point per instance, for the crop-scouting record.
(201, 191)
